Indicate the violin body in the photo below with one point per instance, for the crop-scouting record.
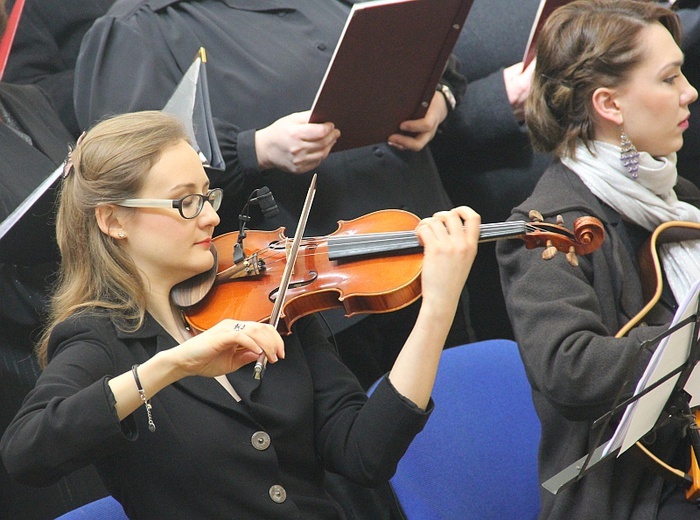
(364, 283)
(650, 265)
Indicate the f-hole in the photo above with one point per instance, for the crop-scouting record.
(313, 275)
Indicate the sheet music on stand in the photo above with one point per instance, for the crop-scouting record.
(640, 416)
(651, 393)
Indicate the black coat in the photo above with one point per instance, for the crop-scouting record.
(265, 61)
(28, 252)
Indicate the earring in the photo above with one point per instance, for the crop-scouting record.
(121, 233)
(629, 155)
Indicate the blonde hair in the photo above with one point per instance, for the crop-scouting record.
(583, 46)
(109, 164)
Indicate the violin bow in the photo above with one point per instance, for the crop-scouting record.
(9, 36)
(261, 363)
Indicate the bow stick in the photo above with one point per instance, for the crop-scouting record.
(261, 363)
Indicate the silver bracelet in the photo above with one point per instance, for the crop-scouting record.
(142, 394)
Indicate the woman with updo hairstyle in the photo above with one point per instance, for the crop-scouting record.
(609, 100)
(573, 61)
(173, 420)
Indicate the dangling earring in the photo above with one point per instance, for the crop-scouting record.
(629, 155)
(121, 233)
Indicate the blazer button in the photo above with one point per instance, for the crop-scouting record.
(260, 440)
(278, 494)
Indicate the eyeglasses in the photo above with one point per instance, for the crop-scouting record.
(189, 206)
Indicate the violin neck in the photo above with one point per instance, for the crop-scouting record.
(349, 246)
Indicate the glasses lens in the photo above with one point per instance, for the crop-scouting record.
(215, 197)
(191, 205)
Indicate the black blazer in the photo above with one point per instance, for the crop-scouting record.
(205, 459)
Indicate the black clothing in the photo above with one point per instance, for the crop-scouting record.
(269, 66)
(46, 47)
(483, 153)
(28, 261)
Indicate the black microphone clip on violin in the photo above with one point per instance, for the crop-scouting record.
(266, 202)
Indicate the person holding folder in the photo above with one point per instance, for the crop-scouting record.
(484, 153)
(265, 64)
(609, 100)
(174, 421)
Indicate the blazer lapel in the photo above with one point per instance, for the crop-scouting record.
(208, 389)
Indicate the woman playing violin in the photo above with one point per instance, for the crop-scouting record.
(175, 423)
(610, 101)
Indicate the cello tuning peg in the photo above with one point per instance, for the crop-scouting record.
(560, 220)
(571, 257)
(535, 216)
(549, 251)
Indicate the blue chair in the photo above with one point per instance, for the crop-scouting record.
(476, 459)
(106, 508)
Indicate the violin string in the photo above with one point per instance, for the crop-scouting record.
(489, 230)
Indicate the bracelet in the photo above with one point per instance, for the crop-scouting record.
(446, 92)
(142, 395)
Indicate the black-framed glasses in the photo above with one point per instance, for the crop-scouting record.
(189, 206)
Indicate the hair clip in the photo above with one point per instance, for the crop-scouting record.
(68, 163)
(561, 82)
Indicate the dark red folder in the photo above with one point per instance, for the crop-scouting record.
(386, 66)
(546, 8)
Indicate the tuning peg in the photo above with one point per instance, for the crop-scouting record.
(571, 256)
(560, 220)
(549, 251)
(535, 216)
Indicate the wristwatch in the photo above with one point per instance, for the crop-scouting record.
(448, 95)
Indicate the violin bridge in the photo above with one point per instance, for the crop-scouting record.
(287, 249)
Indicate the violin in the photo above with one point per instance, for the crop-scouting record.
(371, 264)
(652, 287)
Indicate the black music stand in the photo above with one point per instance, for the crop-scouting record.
(666, 385)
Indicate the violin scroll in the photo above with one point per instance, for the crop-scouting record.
(587, 236)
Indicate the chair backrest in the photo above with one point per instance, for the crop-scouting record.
(106, 508)
(477, 456)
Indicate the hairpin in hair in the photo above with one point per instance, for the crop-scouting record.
(68, 163)
(562, 82)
